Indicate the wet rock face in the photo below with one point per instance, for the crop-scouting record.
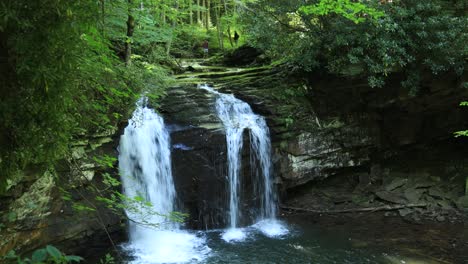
(311, 156)
(35, 213)
(388, 148)
(349, 126)
(426, 185)
(199, 158)
(197, 154)
(199, 171)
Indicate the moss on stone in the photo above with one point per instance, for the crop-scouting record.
(33, 203)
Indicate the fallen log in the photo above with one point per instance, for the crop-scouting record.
(353, 210)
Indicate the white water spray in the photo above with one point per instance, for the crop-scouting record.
(237, 116)
(145, 168)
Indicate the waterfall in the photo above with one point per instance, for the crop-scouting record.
(237, 116)
(145, 166)
(145, 169)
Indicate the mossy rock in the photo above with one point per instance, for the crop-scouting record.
(462, 202)
(284, 145)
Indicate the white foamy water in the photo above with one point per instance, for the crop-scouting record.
(234, 235)
(168, 247)
(271, 228)
(145, 168)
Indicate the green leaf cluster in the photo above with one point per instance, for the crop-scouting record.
(463, 133)
(354, 11)
(47, 255)
(62, 76)
(138, 209)
(105, 161)
(368, 39)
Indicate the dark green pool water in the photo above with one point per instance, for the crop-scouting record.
(304, 243)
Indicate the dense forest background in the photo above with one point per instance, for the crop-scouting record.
(69, 67)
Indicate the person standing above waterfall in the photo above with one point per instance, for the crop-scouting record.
(205, 48)
(236, 37)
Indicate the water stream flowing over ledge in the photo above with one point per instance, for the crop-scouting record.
(237, 116)
(145, 167)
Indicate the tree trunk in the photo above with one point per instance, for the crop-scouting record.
(202, 14)
(174, 24)
(225, 7)
(198, 11)
(191, 11)
(229, 36)
(163, 7)
(130, 30)
(208, 18)
(219, 27)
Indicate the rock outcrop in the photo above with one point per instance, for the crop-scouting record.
(338, 131)
(199, 157)
(198, 154)
(58, 206)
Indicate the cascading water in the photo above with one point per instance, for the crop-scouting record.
(145, 168)
(237, 116)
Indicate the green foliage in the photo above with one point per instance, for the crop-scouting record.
(149, 21)
(188, 41)
(136, 209)
(415, 38)
(11, 217)
(47, 255)
(463, 133)
(109, 181)
(105, 161)
(81, 207)
(354, 11)
(142, 210)
(62, 76)
(108, 259)
(289, 121)
(66, 196)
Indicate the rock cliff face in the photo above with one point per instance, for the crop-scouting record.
(199, 157)
(198, 154)
(356, 126)
(57, 206)
(400, 145)
(341, 144)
